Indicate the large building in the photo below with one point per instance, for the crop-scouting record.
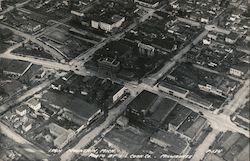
(148, 3)
(14, 68)
(173, 90)
(139, 107)
(185, 122)
(63, 136)
(108, 65)
(108, 23)
(169, 140)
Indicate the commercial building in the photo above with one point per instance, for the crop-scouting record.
(27, 126)
(239, 71)
(139, 107)
(242, 118)
(14, 68)
(234, 146)
(186, 123)
(127, 141)
(173, 90)
(34, 104)
(108, 65)
(107, 23)
(170, 141)
(148, 3)
(232, 37)
(21, 110)
(63, 136)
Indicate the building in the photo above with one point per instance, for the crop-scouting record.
(27, 126)
(107, 23)
(239, 70)
(34, 104)
(212, 35)
(63, 136)
(118, 92)
(170, 141)
(186, 123)
(146, 50)
(139, 107)
(109, 65)
(173, 90)
(159, 111)
(232, 37)
(127, 141)
(148, 3)
(21, 110)
(58, 84)
(15, 68)
(5, 33)
(242, 118)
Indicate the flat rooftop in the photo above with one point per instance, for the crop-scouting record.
(178, 115)
(14, 66)
(174, 143)
(173, 87)
(143, 101)
(163, 109)
(72, 103)
(128, 140)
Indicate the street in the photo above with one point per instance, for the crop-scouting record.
(30, 149)
(112, 116)
(204, 146)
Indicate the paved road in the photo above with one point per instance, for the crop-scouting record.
(216, 72)
(32, 38)
(45, 63)
(204, 146)
(25, 96)
(10, 8)
(238, 100)
(112, 116)
(156, 76)
(30, 149)
(220, 122)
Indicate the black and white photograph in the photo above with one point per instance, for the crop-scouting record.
(124, 80)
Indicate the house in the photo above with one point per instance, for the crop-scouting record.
(232, 37)
(34, 104)
(107, 23)
(58, 84)
(21, 110)
(212, 35)
(148, 3)
(27, 126)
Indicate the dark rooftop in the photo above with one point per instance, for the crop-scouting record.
(14, 66)
(163, 109)
(178, 115)
(174, 143)
(143, 101)
(75, 104)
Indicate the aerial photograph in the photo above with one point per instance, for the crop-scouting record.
(124, 80)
